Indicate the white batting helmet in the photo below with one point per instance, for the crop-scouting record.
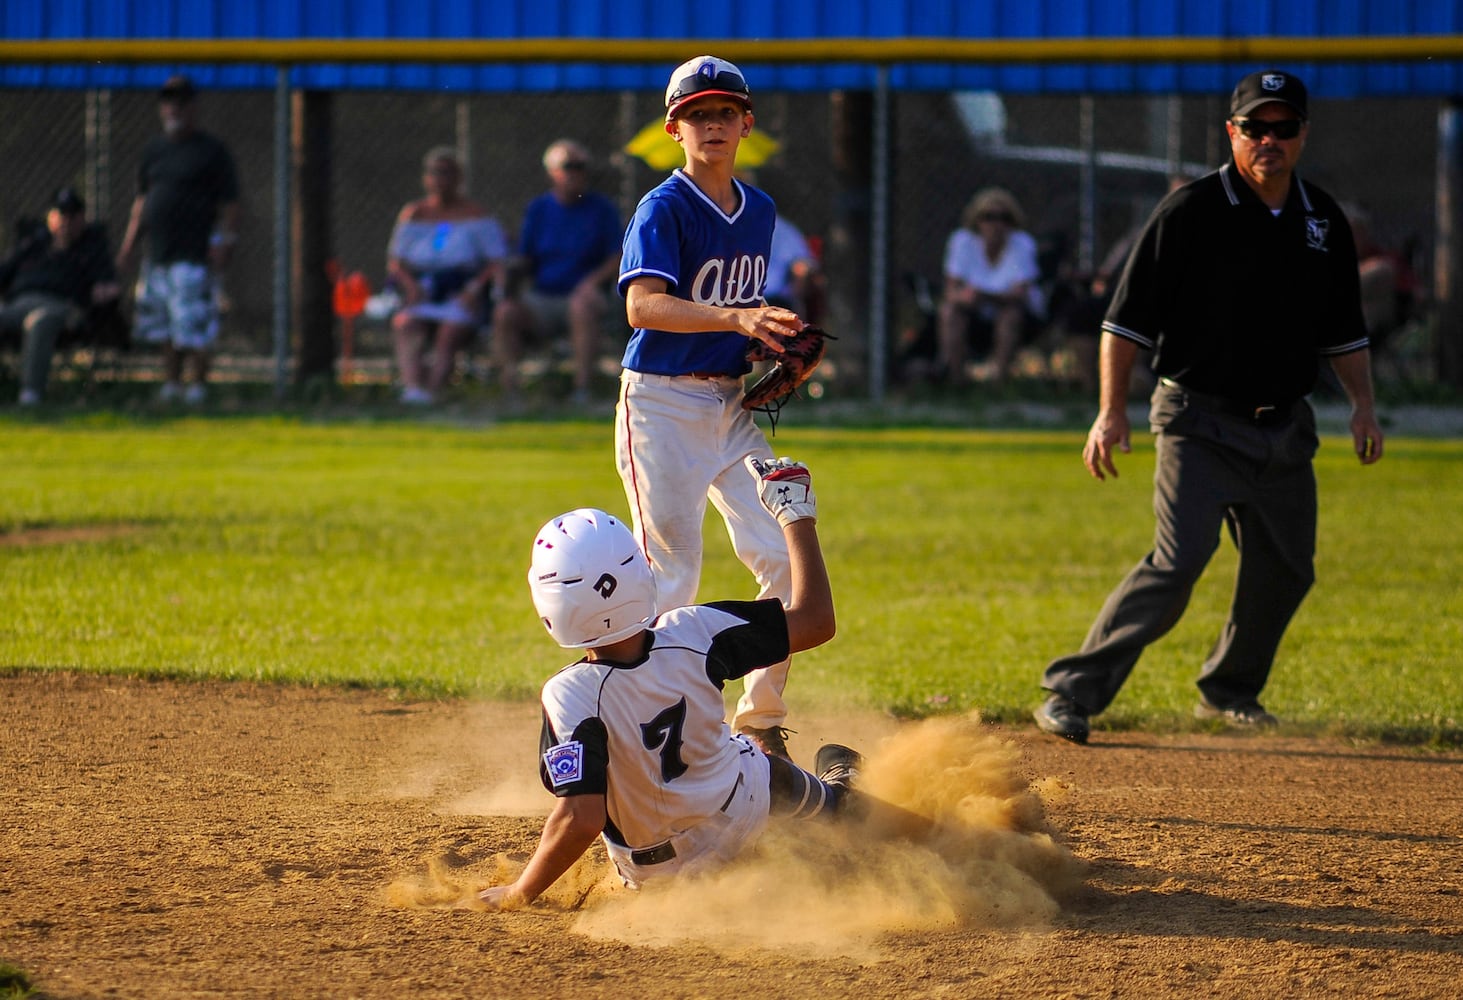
(590, 582)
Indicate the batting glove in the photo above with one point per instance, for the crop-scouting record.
(786, 488)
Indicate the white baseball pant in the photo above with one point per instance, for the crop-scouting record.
(680, 441)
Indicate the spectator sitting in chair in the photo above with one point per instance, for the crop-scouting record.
(569, 252)
(56, 275)
(1083, 320)
(992, 296)
(446, 253)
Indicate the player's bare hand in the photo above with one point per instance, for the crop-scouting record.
(1108, 429)
(768, 325)
(501, 897)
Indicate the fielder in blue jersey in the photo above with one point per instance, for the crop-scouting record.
(693, 273)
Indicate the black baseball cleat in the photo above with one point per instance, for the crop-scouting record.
(1061, 716)
(838, 765)
(1250, 716)
(772, 740)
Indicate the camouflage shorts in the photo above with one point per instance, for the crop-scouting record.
(175, 303)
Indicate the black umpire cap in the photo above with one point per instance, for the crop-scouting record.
(1265, 86)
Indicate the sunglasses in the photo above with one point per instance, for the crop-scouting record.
(697, 84)
(574, 165)
(1254, 128)
(1005, 217)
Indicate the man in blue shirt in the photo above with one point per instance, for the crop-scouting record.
(569, 250)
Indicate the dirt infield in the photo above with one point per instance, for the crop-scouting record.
(169, 839)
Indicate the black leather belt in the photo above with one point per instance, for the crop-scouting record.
(661, 853)
(1259, 414)
(654, 855)
(715, 374)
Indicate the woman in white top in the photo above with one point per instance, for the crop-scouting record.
(446, 252)
(992, 296)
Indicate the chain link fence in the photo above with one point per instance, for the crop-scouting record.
(1084, 169)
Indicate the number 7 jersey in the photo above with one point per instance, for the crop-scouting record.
(651, 736)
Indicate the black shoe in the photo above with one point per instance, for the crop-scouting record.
(1251, 716)
(838, 765)
(772, 740)
(1061, 716)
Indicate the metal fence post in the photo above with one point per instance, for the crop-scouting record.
(1448, 256)
(281, 229)
(879, 242)
(1087, 185)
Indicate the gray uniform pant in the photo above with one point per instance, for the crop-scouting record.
(40, 319)
(1213, 468)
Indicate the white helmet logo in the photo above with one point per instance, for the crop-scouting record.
(1272, 81)
(605, 585)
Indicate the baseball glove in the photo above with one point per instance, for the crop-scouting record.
(801, 354)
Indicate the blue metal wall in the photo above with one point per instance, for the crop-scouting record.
(741, 19)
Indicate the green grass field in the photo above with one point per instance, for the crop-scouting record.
(393, 554)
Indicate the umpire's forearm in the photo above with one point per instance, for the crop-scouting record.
(1354, 372)
(1115, 369)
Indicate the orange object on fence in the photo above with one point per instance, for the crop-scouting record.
(351, 292)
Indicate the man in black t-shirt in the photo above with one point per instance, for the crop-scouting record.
(187, 208)
(1240, 283)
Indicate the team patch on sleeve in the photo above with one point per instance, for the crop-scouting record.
(565, 763)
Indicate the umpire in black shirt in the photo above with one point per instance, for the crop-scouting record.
(1240, 283)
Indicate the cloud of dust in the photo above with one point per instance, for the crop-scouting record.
(520, 795)
(982, 856)
(443, 886)
(458, 764)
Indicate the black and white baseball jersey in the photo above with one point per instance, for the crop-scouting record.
(652, 735)
(1238, 301)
